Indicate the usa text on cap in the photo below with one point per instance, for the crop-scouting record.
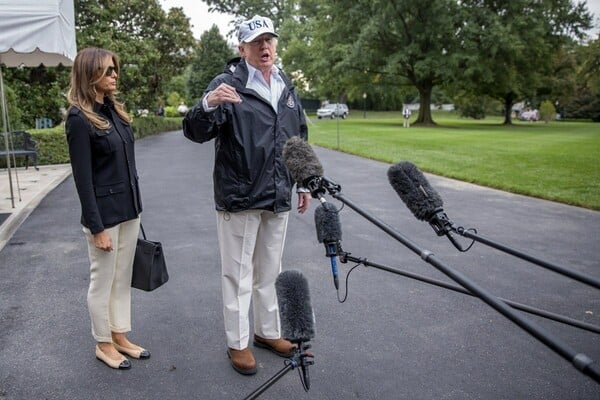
(253, 28)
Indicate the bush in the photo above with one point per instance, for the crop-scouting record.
(171, 111)
(547, 111)
(52, 142)
(585, 106)
(143, 127)
(470, 106)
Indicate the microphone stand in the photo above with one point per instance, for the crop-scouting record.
(553, 267)
(346, 257)
(580, 361)
(442, 225)
(301, 359)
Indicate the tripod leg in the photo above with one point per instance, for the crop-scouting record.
(271, 381)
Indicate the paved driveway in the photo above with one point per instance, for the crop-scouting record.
(393, 338)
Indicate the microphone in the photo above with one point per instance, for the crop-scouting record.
(295, 310)
(306, 169)
(420, 198)
(329, 232)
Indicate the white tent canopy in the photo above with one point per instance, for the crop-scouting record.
(32, 33)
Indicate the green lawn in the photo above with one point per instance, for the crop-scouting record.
(557, 161)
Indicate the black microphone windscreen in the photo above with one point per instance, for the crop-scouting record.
(414, 190)
(301, 160)
(295, 310)
(327, 222)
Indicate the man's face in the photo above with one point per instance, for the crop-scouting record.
(260, 53)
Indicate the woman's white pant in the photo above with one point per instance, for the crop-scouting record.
(109, 294)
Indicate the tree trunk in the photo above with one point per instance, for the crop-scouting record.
(508, 103)
(424, 117)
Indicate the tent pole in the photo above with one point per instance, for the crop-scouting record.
(4, 126)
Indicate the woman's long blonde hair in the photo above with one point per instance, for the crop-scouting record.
(87, 71)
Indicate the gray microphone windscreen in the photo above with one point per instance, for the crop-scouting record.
(327, 222)
(301, 160)
(414, 190)
(295, 310)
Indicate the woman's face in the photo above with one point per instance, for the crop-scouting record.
(108, 82)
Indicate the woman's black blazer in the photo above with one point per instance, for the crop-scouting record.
(103, 163)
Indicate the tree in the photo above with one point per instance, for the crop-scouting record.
(547, 111)
(389, 45)
(586, 102)
(508, 46)
(153, 46)
(210, 59)
(40, 92)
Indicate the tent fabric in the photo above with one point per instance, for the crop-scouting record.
(34, 32)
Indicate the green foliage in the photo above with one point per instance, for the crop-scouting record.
(143, 127)
(585, 102)
(171, 111)
(211, 56)
(174, 99)
(470, 107)
(153, 46)
(586, 105)
(547, 111)
(178, 84)
(14, 121)
(402, 46)
(507, 46)
(39, 93)
(589, 73)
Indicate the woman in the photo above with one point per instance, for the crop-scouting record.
(102, 158)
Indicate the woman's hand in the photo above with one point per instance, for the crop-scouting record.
(103, 241)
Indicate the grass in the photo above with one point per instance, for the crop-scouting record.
(558, 161)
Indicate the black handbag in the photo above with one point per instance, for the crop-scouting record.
(149, 266)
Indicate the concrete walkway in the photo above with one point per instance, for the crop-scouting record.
(393, 338)
(29, 187)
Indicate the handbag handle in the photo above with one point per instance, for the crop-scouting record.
(142, 229)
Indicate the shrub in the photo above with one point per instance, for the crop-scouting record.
(52, 142)
(547, 111)
(171, 111)
(143, 127)
(472, 108)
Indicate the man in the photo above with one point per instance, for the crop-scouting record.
(251, 110)
(406, 113)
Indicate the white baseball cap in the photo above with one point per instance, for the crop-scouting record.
(254, 27)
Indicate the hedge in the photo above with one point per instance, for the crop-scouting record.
(52, 143)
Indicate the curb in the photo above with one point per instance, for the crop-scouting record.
(14, 221)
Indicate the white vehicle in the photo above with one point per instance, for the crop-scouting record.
(333, 110)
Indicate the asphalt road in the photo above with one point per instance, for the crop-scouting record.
(393, 338)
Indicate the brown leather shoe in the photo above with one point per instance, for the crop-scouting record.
(242, 361)
(281, 347)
